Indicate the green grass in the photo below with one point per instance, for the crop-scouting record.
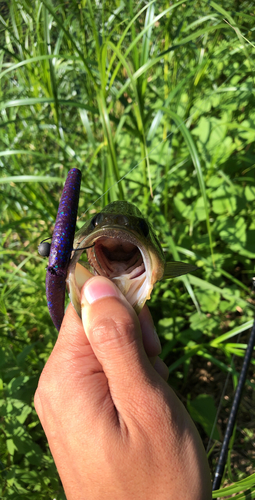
(161, 97)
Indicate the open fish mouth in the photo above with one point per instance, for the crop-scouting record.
(118, 254)
(112, 258)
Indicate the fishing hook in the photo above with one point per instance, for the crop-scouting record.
(44, 248)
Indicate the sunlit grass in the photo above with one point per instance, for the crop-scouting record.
(161, 96)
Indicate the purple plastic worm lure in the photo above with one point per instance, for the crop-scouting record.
(62, 246)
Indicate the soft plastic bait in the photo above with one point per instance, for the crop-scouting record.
(62, 246)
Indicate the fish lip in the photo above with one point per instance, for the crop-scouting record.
(116, 228)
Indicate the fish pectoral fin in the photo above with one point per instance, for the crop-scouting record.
(174, 269)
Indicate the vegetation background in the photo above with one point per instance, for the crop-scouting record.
(160, 95)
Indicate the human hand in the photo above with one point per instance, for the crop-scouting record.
(116, 430)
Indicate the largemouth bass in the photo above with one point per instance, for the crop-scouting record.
(120, 244)
(123, 247)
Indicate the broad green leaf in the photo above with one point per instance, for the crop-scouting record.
(23, 354)
(208, 300)
(203, 410)
(250, 193)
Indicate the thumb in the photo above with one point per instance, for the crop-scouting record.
(114, 332)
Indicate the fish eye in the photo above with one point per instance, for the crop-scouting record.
(144, 227)
(97, 219)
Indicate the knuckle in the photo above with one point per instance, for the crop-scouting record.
(48, 387)
(119, 331)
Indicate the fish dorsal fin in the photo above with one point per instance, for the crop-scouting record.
(174, 269)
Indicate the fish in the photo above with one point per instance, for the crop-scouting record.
(121, 245)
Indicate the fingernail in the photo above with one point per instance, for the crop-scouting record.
(98, 288)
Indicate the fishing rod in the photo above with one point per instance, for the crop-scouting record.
(233, 412)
